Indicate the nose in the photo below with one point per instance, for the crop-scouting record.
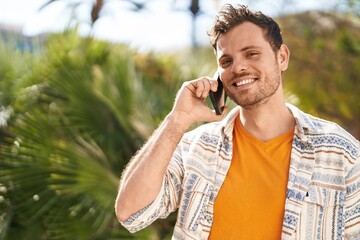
(239, 66)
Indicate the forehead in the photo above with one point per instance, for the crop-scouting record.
(241, 36)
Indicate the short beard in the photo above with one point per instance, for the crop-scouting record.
(262, 97)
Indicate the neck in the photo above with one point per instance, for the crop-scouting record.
(267, 121)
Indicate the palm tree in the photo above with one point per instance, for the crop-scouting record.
(81, 111)
(98, 5)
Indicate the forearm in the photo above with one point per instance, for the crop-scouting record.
(143, 177)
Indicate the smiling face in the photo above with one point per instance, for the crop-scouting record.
(248, 66)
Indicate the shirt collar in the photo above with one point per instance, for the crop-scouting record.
(304, 124)
(227, 124)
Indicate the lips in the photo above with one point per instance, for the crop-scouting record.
(244, 82)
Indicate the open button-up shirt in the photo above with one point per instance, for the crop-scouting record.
(323, 191)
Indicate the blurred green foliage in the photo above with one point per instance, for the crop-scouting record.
(324, 70)
(74, 113)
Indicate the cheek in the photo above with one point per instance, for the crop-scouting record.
(225, 78)
(222, 73)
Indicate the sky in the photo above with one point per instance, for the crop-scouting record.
(163, 25)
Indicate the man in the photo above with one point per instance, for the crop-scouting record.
(265, 171)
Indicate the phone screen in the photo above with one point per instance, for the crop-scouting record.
(218, 98)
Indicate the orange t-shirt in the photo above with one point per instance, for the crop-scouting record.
(251, 201)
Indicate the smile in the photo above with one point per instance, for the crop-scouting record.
(245, 81)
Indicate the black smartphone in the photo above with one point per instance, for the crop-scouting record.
(218, 98)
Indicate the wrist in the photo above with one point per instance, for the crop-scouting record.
(179, 121)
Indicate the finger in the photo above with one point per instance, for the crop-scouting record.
(202, 87)
(207, 87)
(213, 84)
(199, 88)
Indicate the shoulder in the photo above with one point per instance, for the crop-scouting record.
(332, 133)
(326, 136)
(315, 126)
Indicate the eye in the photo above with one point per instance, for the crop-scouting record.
(225, 62)
(252, 54)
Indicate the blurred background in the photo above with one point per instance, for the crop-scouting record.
(84, 83)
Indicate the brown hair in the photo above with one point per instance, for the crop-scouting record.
(230, 16)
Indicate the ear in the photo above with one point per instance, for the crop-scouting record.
(283, 57)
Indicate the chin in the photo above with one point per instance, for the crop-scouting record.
(249, 105)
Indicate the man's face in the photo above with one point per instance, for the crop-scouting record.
(249, 68)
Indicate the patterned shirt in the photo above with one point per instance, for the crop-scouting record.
(323, 190)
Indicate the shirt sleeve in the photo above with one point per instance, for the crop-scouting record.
(352, 204)
(166, 201)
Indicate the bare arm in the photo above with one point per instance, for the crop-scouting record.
(142, 179)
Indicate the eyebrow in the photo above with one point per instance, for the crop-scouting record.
(250, 47)
(244, 49)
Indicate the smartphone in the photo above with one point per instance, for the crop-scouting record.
(218, 98)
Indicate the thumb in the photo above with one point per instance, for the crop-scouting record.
(216, 117)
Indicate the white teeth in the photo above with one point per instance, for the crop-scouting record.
(245, 81)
